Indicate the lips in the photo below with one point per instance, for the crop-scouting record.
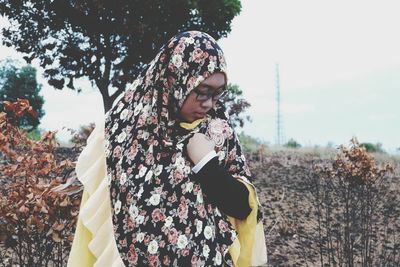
(200, 115)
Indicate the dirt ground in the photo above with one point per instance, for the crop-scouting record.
(289, 220)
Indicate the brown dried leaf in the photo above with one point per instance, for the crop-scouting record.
(23, 209)
(13, 215)
(14, 168)
(56, 237)
(70, 238)
(44, 210)
(65, 202)
(29, 222)
(49, 232)
(58, 226)
(74, 213)
(40, 226)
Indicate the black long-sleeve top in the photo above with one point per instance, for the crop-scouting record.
(223, 190)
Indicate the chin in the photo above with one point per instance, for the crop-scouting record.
(199, 116)
(193, 118)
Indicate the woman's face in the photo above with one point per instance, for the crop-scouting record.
(197, 104)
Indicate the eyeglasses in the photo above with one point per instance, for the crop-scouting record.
(201, 96)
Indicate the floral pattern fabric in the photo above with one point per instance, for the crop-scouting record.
(160, 214)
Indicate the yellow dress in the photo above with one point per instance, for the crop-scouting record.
(94, 243)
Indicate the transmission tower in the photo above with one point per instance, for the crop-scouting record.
(279, 124)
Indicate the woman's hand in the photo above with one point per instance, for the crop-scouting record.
(199, 146)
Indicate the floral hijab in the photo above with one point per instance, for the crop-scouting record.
(160, 214)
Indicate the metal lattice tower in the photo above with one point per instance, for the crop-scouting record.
(279, 139)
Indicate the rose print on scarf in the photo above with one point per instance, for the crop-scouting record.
(159, 214)
(218, 131)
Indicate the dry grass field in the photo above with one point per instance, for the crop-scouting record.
(283, 183)
(283, 180)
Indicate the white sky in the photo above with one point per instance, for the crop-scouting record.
(339, 68)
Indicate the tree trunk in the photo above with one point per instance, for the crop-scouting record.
(107, 100)
(107, 103)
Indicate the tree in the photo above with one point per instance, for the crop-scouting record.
(373, 148)
(106, 41)
(292, 143)
(235, 105)
(251, 144)
(21, 83)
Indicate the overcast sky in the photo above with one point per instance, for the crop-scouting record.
(339, 72)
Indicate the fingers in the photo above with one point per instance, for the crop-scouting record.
(200, 140)
(200, 136)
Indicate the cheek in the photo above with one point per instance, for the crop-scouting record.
(186, 107)
(189, 104)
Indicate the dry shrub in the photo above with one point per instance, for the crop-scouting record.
(261, 153)
(80, 136)
(36, 220)
(356, 217)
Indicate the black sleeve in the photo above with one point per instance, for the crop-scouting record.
(223, 190)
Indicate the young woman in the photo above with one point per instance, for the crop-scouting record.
(173, 187)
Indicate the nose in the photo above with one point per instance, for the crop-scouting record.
(208, 104)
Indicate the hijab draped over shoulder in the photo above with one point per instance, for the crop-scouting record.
(159, 213)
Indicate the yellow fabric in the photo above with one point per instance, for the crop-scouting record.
(189, 126)
(94, 241)
(242, 248)
(80, 254)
